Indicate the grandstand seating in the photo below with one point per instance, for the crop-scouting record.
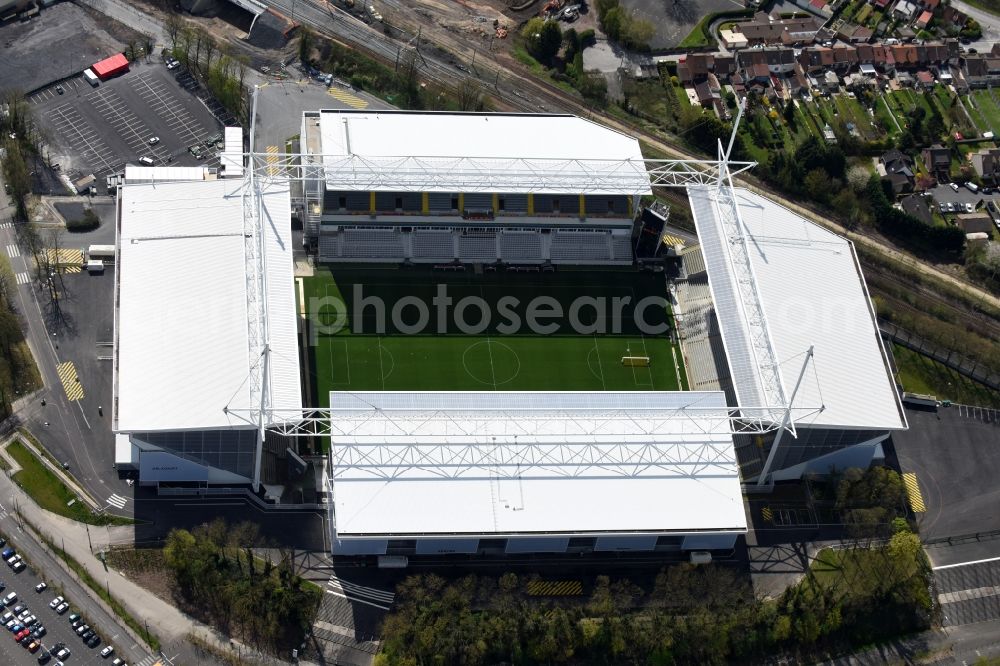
(433, 245)
(477, 246)
(579, 246)
(621, 248)
(521, 247)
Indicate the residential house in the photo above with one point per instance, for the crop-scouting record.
(828, 134)
(765, 29)
(916, 206)
(937, 159)
(952, 16)
(924, 20)
(925, 80)
(897, 167)
(904, 10)
(981, 69)
(987, 165)
(958, 80)
(822, 7)
(733, 39)
(975, 223)
(695, 67)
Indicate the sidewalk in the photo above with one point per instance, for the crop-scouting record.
(170, 625)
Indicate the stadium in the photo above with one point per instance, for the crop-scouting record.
(465, 356)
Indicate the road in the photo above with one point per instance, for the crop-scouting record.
(78, 428)
(990, 23)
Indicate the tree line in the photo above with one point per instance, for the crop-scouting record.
(215, 65)
(216, 573)
(693, 614)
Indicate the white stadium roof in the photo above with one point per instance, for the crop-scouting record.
(444, 463)
(478, 152)
(182, 351)
(812, 293)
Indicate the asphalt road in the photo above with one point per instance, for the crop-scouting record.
(956, 459)
(58, 628)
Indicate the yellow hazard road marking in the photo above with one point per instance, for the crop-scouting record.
(70, 380)
(347, 98)
(767, 514)
(65, 259)
(555, 588)
(272, 160)
(913, 492)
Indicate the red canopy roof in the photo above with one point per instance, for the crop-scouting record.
(108, 67)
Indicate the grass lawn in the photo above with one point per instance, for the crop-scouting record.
(988, 108)
(699, 34)
(52, 494)
(977, 117)
(851, 110)
(919, 374)
(367, 357)
(887, 116)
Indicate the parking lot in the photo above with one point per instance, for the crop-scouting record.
(945, 194)
(57, 626)
(145, 113)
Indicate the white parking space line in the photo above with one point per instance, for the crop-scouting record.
(165, 105)
(81, 136)
(130, 128)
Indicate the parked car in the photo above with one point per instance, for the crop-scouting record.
(82, 629)
(93, 641)
(55, 602)
(62, 654)
(40, 631)
(10, 598)
(107, 651)
(44, 658)
(62, 608)
(41, 587)
(73, 618)
(153, 140)
(18, 566)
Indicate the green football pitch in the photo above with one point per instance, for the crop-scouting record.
(352, 347)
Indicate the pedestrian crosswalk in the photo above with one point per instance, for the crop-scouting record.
(152, 660)
(347, 98)
(360, 593)
(13, 251)
(70, 380)
(6, 225)
(117, 501)
(22, 278)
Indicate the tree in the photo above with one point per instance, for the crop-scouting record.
(470, 95)
(789, 114)
(305, 44)
(542, 38)
(173, 27)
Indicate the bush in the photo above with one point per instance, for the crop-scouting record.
(88, 222)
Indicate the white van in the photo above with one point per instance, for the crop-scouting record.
(972, 187)
(146, 161)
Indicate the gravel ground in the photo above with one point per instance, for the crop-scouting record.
(62, 41)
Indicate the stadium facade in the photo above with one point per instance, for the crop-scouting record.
(208, 382)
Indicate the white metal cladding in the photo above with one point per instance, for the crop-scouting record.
(538, 434)
(726, 296)
(478, 152)
(813, 293)
(428, 463)
(182, 347)
(232, 156)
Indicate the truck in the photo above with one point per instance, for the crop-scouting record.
(95, 266)
(102, 252)
(90, 77)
